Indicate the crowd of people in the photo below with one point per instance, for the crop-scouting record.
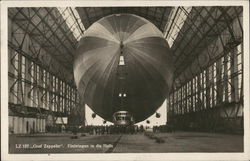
(109, 129)
(164, 128)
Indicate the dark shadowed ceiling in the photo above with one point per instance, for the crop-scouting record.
(157, 15)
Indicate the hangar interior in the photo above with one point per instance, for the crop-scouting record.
(207, 46)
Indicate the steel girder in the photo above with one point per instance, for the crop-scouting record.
(210, 48)
(213, 114)
(35, 85)
(46, 32)
(26, 86)
(157, 15)
(35, 50)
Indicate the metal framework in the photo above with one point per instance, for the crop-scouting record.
(34, 90)
(202, 26)
(177, 19)
(208, 95)
(207, 48)
(49, 29)
(157, 15)
(39, 85)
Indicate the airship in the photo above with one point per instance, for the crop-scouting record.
(123, 68)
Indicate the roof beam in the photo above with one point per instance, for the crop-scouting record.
(53, 33)
(184, 33)
(178, 71)
(76, 20)
(201, 25)
(59, 26)
(40, 34)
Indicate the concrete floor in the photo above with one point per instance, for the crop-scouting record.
(137, 143)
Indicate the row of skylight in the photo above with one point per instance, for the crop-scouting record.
(176, 20)
(73, 20)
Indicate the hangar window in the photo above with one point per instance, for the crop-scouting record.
(210, 97)
(36, 97)
(55, 102)
(239, 70)
(189, 96)
(37, 74)
(194, 94)
(63, 105)
(44, 78)
(214, 73)
(177, 18)
(56, 84)
(210, 74)
(179, 94)
(229, 80)
(222, 68)
(196, 84)
(66, 97)
(205, 88)
(53, 83)
(170, 102)
(63, 96)
(179, 100)
(73, 21)
(73, 105)
(239, 62)
(31, 92)
(48, 100)
(185, 95)
(61, 88)
(240, 84)
(43, 98)
(239, 57)
(183, 106)
(60, 104)
(15, 61)
(204, 79)
(229, 65)
(37, 89)
(32, 73)
(214, 84)
(23, 69)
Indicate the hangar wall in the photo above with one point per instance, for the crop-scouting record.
(208, 95)
(38, 85)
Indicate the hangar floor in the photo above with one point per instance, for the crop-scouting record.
(137, 143)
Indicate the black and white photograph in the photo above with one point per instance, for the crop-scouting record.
(125, 79)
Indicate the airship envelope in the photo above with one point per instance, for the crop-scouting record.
(123, 63)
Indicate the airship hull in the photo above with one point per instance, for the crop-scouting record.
(145, 76)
